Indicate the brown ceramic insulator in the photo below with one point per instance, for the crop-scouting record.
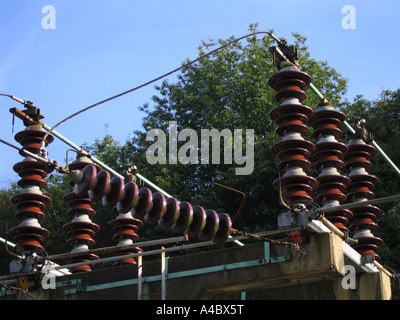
(79, 205)
(292, 122)
(130, 198)
(224, 228)
(295, 146)
(327, 121)
(294, 157)
(290, 83)
(32, 173)
(84, 257)
(81, 232)
(295, 187)
(357, 161)
(198, 222)
(358, 156)
(185, 217)
(30, 209)
(30, 203)
(340, 219)
(330, 190)
(81, 229)
(31, 138)
(88, 180)
(293, 154)
(115, 193)
(126, 261)
(283, 112)
(158, 209)
(211, 227)
(328, 158)
(144, 205)
(102, 185)
(368, 246)
(292, 118)
(126, 227)
(364, 218)
(29, 238)
(171, 214)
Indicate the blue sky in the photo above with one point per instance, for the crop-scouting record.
(101, 48)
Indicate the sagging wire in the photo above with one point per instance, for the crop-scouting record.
(395, 276)
(6, 245)
(232, 189)
(281, 201)
(279, 41)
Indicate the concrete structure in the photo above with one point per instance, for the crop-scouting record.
(322, 270)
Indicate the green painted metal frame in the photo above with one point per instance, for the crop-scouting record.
(267, 259)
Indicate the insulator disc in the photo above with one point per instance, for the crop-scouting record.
(22, 197)
(185, 217)
(81, 238)
(145, 203)
(103, 179)
(129, 220)
(279, 112)
(358, 159)
(283, 145)
(289, 83)
(171, 214)
(88, 226)
(360, 189)
(331, 190)
(292, 123)
(127, 260)
(224, 228)
(294, 158)
(33, 177)
(211, 227)
(115, 193)
(198, 223)
(89, 176)
(368, 245)
(126, 232)
(158, 209)
(131, 198)
(28, 243)
(79, 205)
(30, 209)
(31, 139)
(85, 257)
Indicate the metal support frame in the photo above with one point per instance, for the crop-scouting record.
(165, 275)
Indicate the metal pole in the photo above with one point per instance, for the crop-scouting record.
(349, 127)
(357, 204)
(163, 274)
(116, 248)
(140, 271)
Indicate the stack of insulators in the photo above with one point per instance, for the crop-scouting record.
(359, 190)
(328, 160)
(30, 203)
(81, 229)
(293, 150)
(133, 205)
